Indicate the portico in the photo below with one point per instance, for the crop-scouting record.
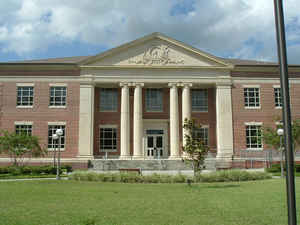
(156, 83)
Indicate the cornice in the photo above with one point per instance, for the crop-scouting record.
(37, 66)
(264, 68)
(156, 67)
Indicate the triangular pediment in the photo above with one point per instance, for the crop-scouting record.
(155, 50)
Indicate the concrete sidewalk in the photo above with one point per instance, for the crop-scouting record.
(26, 179)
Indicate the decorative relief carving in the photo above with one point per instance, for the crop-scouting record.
(156, 55)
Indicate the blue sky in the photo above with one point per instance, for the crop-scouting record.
(35, 29)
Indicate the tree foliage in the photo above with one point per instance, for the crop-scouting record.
(195, 147)
(272, 139)
(17, 146)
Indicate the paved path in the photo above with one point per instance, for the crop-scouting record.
(25, 179)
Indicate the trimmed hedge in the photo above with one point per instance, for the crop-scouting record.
(275, 168)
(25, 170)
(129, 177)
(232, 175)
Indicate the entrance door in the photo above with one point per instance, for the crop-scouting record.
(155, 143)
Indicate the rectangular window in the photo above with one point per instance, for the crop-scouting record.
(23, 129)
(201, 134)
(251, 97)
(108, 99)
(154, 100)
(108, 139)
(24, 96)
(253, 137)
(58, 96)
(51, 130)
(277, 96)
(199, 100)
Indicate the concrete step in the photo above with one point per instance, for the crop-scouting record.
(147, 165)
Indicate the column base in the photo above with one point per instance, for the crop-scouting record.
(138, 157)
(85, 157)
(175, 157)
(125, 157)
(223, 163)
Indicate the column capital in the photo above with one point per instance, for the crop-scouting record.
(125, 84)
(223, 85)
(174, 84)
(187, 84)
(135, 84)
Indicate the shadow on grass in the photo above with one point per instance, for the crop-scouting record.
(223, 186)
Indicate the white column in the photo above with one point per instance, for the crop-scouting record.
(186, 107)
(125, 122)
(174, 121)
(224, 125)
(86, 121)
(138, 122)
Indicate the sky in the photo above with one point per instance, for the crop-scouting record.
(245, 29)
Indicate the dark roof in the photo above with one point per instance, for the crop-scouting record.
(247, 62)
(71, 60)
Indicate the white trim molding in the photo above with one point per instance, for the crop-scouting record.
(58, 85)
(25, 84)
(23, 123)
(58, 123)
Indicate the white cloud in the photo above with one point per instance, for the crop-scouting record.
(220, 27)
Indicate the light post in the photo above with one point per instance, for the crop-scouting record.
(286, 112)
(280, 133)
(59, 133)
(54, 141)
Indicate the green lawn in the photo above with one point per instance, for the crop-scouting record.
(72, 203)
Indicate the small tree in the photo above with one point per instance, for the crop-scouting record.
(195, 147)
(17, 146)
(271, 138)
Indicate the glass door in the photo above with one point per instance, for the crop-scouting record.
(155, 146)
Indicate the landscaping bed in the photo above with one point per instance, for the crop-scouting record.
(21, 172)
(133, 177)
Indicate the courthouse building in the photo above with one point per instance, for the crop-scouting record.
(129, 103)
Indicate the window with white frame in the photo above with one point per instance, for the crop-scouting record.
(252, 97)
(154, 100)
(109, 99)
(254, 136)
(108, 138)
(24, 96)
(199, 100)
(277, 96)
(201, 134)
(58, 96)
(23, 129)
(51, 130)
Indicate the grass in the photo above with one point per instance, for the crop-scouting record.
(86, 203)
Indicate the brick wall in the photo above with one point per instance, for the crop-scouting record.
(266, 114)
(113, 118)
(40, 114)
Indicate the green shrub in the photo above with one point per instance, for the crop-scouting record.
(297, 168)
(26, 170)
(231, 175)
(14, 170)
(275, 168)
(179, 178)
(128, 177)
(4, 170)
(68, 168)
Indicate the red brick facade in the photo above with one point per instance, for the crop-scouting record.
(40, 114)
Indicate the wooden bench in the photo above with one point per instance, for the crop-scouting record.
(139, 170)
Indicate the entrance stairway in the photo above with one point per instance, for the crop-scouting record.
(165, 165)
